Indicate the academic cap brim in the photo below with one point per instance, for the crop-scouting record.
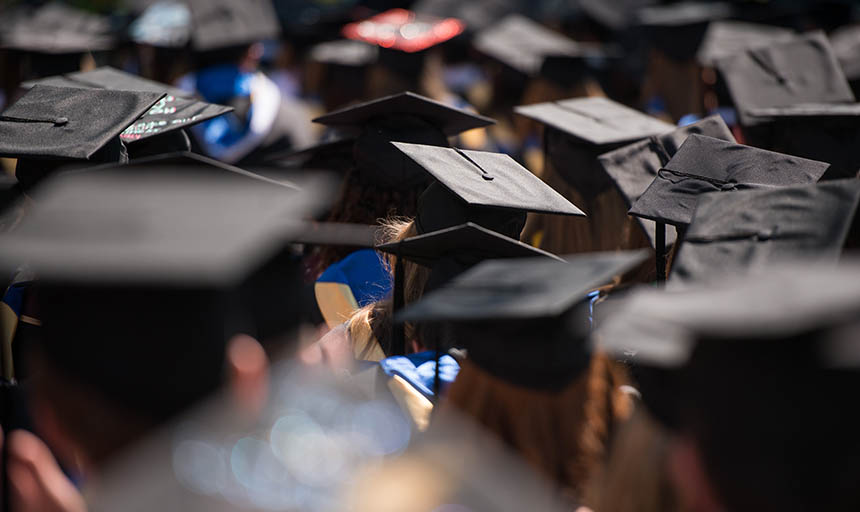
(449, 120)
(520, 289)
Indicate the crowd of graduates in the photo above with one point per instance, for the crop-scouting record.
(430, 256)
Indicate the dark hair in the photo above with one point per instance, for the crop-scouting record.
(361, 203)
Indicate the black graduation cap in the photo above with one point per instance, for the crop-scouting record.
(406, 117)
(490, 189)
(803, 70)
(69, 123)
(727, 38)
(678, 29)
(467, 242)
(754, 228)
(820, 131)
(633, 167)
(162, 24)
(174, 111)
(344, 52)
(595, 121)
(524, 45)
(580, 129)
(616, 15)
(188, 162)
(705, 164)
(519, 319)
(449, 120)
(331, 155)
(769, 327)
(170, 264)
(219, 24)
(54, 28)
(846, 45)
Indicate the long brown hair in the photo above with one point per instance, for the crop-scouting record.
(563, 434)
(375, 319)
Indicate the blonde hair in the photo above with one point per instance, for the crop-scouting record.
(563, 434)
(374, 320)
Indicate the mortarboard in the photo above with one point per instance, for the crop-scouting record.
(331, 155)
(164, 24)
(755, 228)
(616, 15)
(403, 30)
(174, 111)
(344, 52)
(524, 45)
(487, 188)
(406, 117)
(595, 121)
(678, 29)
(69, 123)
(705, 164)
(803, 70)
(219, 24)
(54, 28)
(467, 242)
(788, 336)
(580, 129)
(449, 120)
(448, 252)
(170, 264)
(519, 319)
(820, 131)
(633, 168)
(727, 38)
(846, 45)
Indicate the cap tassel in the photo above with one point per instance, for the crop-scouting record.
(660, 250)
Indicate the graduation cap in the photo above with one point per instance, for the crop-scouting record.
(164, 24)
(344, 52)
(174, 111)
(819, 131)
(221, 24)
(616, 15)
(705, 164)
(755, 228)
(519, 319)
(580, 129)
(406, 117)
(525, 45)
(727, 38)
(331, 155)
(62, 124)
(490, 189)
(403, 30)
(678, 29)
(449, 120)
(449, 252)
(846, 45)
(771, 321)
(170, 264)
(477, 15)
(803, 70)
(54, 28)
(635, 166)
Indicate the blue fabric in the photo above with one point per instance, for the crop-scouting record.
(366, 274)
(221, 84)
(14, 296)
(689, 119)
(419, 370)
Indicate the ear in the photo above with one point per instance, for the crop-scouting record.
(689, 477)
(248, 372)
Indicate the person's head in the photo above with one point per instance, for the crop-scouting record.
(376, 318)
